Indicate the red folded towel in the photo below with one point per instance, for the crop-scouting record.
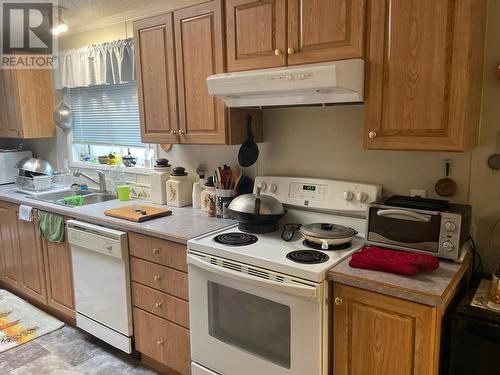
(394, 261)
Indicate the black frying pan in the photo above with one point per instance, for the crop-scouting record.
(249, 151)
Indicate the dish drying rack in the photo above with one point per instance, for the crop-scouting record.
(34, 183)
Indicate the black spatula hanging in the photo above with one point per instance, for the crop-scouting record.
(249, 151)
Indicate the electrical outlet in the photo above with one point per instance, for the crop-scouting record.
(418, 193)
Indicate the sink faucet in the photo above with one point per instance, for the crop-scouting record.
(100, 174)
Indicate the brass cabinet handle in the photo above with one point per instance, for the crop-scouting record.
(157, 305)
(338, 301)
(173, 132)
(181, 131)
(277, 52)
(291, 50)
(159, 342)
(372, 135)
(156, 251)
(157, 278)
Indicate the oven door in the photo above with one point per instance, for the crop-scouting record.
(243, 324)
(404, 229)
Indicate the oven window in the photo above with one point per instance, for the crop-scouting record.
(253, 324)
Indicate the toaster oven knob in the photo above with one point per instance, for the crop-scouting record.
(348, 195)
(361, 197)
(450, 226)
(448, 246)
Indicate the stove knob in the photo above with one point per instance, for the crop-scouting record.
(448, 246)
(348, 195)
(263, 186)
(361, 197)
(273, 188)
(450, 226)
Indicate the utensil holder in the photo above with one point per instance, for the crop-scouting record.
(222, 199)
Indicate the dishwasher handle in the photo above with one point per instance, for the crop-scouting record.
(90, 241)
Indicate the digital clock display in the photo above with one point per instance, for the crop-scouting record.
(308, 187)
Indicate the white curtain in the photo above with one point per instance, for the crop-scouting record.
(101, 64)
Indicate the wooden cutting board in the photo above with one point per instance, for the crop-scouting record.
(129, 213)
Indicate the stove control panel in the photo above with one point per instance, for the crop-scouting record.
(319, 193)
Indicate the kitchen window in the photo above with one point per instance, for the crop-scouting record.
(106, 120)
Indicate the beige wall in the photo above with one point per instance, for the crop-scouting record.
(485, 184)
(327, 142)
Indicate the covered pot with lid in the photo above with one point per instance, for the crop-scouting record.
(256, 213)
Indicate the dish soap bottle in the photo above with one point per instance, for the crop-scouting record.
(158, 179)
(179, 188)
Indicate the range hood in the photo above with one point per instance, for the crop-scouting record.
(326, 83)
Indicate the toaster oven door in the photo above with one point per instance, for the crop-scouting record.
(404, 229)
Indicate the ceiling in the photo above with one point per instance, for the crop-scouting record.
(86, 14)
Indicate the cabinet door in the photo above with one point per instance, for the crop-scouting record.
(156, 81)
(59, 277)
(255, 34)
(198, 39)
(8, 100)
(418, 74)
(378, 335)
(325, 30)
(8, 246)
(31, 260)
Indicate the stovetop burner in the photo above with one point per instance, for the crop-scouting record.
(317, 246)
(236, 239)
(307, 256)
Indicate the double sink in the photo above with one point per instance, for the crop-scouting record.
(89, 197)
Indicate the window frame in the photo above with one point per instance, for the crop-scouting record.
(101, 167)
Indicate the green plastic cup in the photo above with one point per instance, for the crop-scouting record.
(123, 192)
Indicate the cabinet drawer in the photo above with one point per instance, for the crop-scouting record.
(162, 340)
(162, 278)
(167, 253)
(169, 307)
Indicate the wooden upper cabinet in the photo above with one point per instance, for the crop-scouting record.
(424, 74)
(29, 100)
(255, 34)
(378, 335)
(325, 30)
(156, 81)
(199, 53)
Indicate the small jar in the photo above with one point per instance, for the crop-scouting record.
(179, 188)
(158, 179)
(211, 209)
(208, 194)
(222, 199)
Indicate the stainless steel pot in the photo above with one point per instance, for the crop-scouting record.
(36, 166)
(327, 234)
(62, 117)
(256, 213)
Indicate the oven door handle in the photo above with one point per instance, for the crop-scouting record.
(295, 289)
(398, 214)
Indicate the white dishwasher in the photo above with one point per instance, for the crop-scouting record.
(101, 280)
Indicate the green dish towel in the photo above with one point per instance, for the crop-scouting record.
(76, 200)
(51, 226)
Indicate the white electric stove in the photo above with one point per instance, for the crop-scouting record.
(254, 307)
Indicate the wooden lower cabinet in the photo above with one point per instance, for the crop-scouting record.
(37, 269)
(31, 260)
(10, 262)
(59, 273)
(158, 270)
(375, 334)
(165, 342)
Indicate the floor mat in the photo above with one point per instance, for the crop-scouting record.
(21, 322)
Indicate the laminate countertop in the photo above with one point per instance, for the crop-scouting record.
(429, 288)
(184, 223)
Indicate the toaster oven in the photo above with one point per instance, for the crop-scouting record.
(441, 233)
